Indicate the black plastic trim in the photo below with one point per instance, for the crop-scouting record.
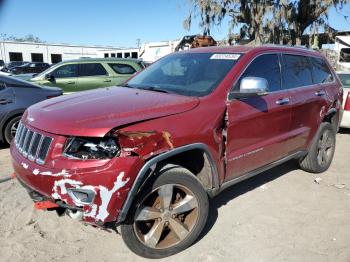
(149, 164)
(260, 170)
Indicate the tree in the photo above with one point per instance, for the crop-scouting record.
(27, 38)
(265, 21)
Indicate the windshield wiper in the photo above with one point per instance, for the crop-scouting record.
(151, 88)
(157, 89)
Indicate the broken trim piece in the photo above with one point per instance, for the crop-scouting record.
(148, 165)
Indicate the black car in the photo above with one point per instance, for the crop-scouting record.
(15, 96)
(32, 67)
(6, 67)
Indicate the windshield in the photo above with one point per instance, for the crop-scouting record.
(189, 74)
(345, 79)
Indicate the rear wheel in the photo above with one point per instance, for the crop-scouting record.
(168, 217)
(321, 152)
(11, 128)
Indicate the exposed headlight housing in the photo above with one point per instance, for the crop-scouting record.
(87, 148)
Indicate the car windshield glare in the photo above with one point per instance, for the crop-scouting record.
(189, 74)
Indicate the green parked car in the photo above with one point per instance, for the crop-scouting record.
(88, 73)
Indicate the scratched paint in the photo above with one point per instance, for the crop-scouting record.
(99, 213)
(106, 196)
(24, 165)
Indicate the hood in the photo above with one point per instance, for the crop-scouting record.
(96, 112)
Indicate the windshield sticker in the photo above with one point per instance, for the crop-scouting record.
(225, 56)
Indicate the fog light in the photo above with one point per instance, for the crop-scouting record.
(81, 196)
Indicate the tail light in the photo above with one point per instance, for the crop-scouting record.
(347, 103)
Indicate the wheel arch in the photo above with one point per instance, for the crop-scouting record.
(7, 119)
(150, 166)
(332, 117)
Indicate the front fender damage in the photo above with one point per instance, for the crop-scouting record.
(109, 185)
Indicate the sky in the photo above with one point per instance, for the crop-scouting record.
(109, 22)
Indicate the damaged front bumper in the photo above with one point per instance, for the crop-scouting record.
(94, 195)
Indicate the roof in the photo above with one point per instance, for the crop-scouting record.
(111, 59)
(247, 48)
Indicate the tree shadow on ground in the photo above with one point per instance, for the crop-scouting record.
(243, 187)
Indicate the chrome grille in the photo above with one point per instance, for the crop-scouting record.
(32, 145)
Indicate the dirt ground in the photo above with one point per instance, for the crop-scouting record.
(280, 215)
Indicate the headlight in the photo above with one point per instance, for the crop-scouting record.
(86, 148)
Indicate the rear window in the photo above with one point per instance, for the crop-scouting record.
(122, 69)
(321, 71)
(92, 69)
(297, 71)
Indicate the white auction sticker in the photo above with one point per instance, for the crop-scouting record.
(225, 56)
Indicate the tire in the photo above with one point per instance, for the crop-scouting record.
(321, 152)
(178, 229)
(11, 126)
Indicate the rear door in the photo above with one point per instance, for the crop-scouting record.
(122, 72)
(258, 127)
(308, 99)
(92, 75)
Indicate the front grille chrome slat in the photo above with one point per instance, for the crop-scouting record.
(32, 145)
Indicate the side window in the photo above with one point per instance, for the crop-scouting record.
(321, 71)
(122, 69)
(92, 69)
(265, 66)
(66, 71)
(297, 71)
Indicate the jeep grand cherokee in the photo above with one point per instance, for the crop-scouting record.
(148, 155)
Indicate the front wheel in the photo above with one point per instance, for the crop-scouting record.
(321, 152)
(169, 216)
(11, 129)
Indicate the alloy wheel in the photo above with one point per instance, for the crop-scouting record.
(166, 216)
(325, 148)
(14, 128)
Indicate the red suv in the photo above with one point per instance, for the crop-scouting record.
(146, 156)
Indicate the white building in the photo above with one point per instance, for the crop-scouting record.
(54, 53)
(151, 52)
(342, 48)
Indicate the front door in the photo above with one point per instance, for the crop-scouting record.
(65, 77)
(258, 127)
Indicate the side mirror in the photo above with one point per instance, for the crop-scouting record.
(251, 87)
(50, 77)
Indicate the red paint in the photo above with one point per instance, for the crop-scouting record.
(45, 205)
(347, 104)
(149, 123)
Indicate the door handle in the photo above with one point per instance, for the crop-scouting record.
(5, 101)
(70, 82)
(282, 101)
(107, 80)
(320, 93)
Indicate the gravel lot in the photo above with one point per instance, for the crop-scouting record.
(280, 215)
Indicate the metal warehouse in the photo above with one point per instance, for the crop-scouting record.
(54, 53)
